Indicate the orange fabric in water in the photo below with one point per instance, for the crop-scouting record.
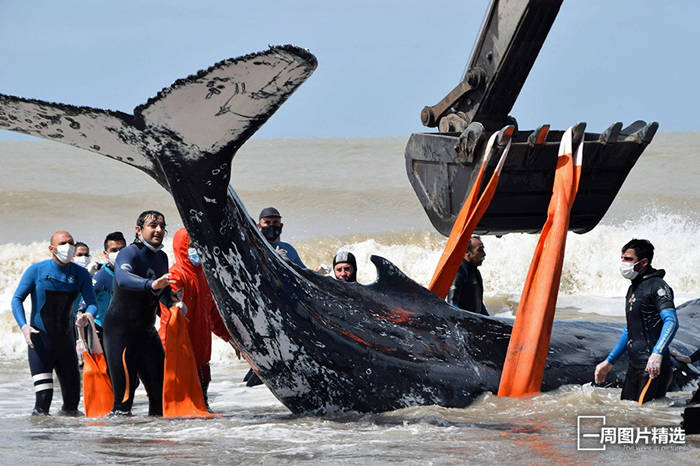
(97, 388)
(182, 392)
(523, 368)
(98, 395)
(467, 220)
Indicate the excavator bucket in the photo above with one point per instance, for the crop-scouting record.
(441, 177)
(442, 166)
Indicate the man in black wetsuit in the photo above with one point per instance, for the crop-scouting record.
(467, 290)
(651, 325)
(54, 285)
(132, 346)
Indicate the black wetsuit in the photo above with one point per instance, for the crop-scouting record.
(647, 296)
(132, 346)
(467, 290)
(53, 289)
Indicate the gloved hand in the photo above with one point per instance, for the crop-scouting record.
(27, 331)
(82, 320)
(93, 267)
(79, 349)
(182, 306)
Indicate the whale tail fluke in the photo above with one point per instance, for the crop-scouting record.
(207, 115)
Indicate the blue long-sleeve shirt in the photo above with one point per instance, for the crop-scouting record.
(49, 276)
(292, 253)
(103, 283)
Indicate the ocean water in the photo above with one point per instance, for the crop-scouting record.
(342, 194)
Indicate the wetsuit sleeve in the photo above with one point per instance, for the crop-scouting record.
(294, 256)
(26, 286)
(88, 292)
(668, 331)
(454, 296)
(124, 273)
(620, 348)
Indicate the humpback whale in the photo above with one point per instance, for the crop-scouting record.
(320, 345)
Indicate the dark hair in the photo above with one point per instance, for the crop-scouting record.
(114, 236)
(80, 243)
(643, 249)
(144, 215)
(471, 243)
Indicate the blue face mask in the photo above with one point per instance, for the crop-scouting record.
(194, 257)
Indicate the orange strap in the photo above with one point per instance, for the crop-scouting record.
(470, 215)
(523, 368)
(644, 391)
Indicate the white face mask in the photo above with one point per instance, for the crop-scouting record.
(627, 270)
(64, 253)
(82, 261)
(112, 256)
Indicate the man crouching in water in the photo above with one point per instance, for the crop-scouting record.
(651, 325)
(132, 346)
(54, 285)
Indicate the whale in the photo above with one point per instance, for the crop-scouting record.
(320, 345)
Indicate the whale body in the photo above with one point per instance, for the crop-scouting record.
(320, 345)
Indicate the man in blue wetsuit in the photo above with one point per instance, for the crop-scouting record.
(54, 285)
(132, 346)
(651, 325)
(103, 280)
(270, 225)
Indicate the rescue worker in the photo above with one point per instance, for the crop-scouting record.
(132, 345)
(54, 285)
(202, 314)
(651, 325)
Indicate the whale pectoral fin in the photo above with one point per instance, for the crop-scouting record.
(108, 133)
(227, 103)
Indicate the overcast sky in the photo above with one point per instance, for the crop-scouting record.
(380, 62)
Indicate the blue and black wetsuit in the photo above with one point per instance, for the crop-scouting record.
(651, 325)
(132, 346)
(54, 289)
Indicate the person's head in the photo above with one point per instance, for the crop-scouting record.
(150, 228)
(475, 251)
(114, 242)
(62, 247)
(82, 254)
(636, 257)
(270, 224)
(184, 249)
(345, 266)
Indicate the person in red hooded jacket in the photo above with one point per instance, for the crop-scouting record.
(202, 316)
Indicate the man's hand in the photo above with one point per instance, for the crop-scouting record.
(601, 371)
(27, 331)
(679, 357)
(654, 365)
(162, 282)
(82, 320)
(282, 253)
